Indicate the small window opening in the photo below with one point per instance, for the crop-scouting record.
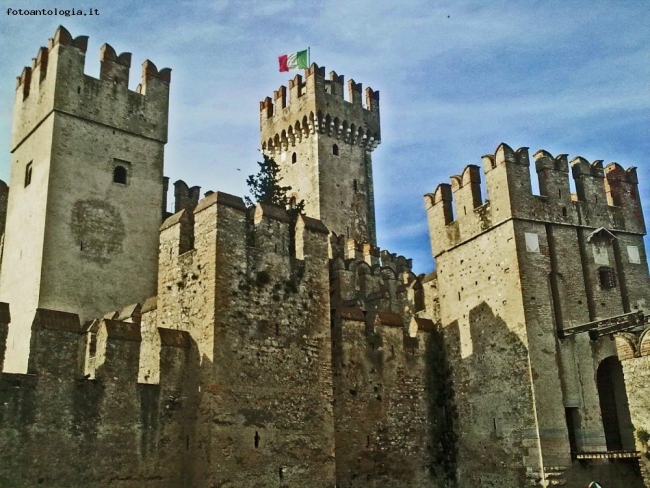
(458, 296)
(335, 150)
(294, 158)
(281, 473)
(464, 210)
(257, 439)
(607, 277)
(559, 193)
(81, 245)
(355, 185)
(28, 173)
(367, 441)
(78, 90)
(277, 329)
(564, 213)
(119, 175)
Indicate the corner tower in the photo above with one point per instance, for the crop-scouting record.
(323, 144)
(86, 192)
(535, 290)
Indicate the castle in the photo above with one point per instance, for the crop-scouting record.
(227, 346)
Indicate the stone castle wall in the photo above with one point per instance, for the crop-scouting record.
(235, 369)
(69, 213)
(517, 276)
(280, 352)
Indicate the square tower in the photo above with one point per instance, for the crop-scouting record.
(323, 144)
(86, 193)
(532, 290)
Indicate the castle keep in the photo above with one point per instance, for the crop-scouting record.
(256, 349)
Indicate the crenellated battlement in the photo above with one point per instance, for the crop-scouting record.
(260, 229)
(605, 197)
(375, 280)
(346, 248)
(63, 350)
(318, 106)
(56, 81)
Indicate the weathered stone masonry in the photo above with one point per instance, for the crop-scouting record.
(234, 346)
(521, 279)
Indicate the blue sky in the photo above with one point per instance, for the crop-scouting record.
(456, 79)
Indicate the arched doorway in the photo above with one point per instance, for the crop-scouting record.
(614, 408)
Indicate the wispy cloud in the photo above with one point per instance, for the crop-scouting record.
(456, 78)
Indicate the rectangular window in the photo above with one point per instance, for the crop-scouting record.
(28, 174)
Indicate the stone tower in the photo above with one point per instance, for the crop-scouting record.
(532, 289)
(323, 144)
(86, 197)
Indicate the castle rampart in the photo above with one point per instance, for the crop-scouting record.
(70, 128)
(317, 105)
(456, 213)
(519, 274)
(56, 81)
(252, 292)
(96, 429)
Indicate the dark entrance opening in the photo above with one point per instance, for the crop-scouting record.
(614, 408)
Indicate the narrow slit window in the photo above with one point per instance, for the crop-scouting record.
(28, 173)
(294, 158)
(335, 150)
(119, 175)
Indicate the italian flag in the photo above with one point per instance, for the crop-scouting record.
(297, 60)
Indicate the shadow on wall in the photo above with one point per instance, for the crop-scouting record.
(494, 418)
(59, 427)
(493, 401)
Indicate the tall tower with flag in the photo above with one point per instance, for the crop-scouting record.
(323, 144)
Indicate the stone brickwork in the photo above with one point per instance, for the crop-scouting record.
(60, 427)
(634, 352)
(382, 366)
(517, 276)
(237, 368)
(266, 350)
(253, 293)
(323, 144)
(86, 186)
